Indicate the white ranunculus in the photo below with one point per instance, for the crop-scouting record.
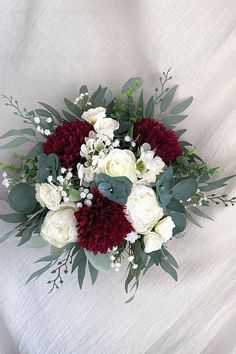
(48, 195)
(164, 228)
(119, 163)
(105, 127)
(149, 166)
(152, 242)
(143, 208)
(163, 232)
(59, 227)
(93, 114)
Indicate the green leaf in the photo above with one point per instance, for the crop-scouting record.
(93, 272)
(179, 220)
(124, 127)
(27, 233)
(128, 280)
(170, 259)
(185, 189)
(169, 269)
(13, 132)
(164, 197)
(38, 273)
(56, 251)
(14, 218)
(99, 261)
(47, 259)
(216, 184)
(182, 106)
(167, 99)
(70, 117)
(175, 205)
(15, 143)
(148, 265)
(133, 84)
(22, 198)
(35, 151)
(73, 107)
(81, 271)
(99, 99)
(192, 220)
(7, 235)
(53, 111)
(180, 132)
(156, 257)
(74, 195)
(149, 110)
(198, 212)
(108, 97)
(43, 113)
(37, 242)
(80, 254)
(172, 120)
(99, 89)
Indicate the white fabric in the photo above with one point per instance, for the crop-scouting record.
(50, 48)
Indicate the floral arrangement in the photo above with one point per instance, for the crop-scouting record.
(105, 183)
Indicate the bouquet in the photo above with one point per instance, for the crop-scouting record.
(107, 182)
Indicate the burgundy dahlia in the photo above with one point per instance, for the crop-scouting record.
(66, 142)
(164, 141)
(103, 225)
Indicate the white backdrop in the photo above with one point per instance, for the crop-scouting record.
(48, 49)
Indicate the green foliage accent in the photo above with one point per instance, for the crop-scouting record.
(182, 106)
(217, 199)
(3, 238)
(14, 218)
(132, 85)
(36, 242)
(52, 111)
(192, 220)
(39, 272)
(200, 213)
(74, 108)
(172, 120)
(116, 189)
(93, 273)
(179, 221)
(168, 268)
(70, 117)
(167, 99)
(74, 195)
(15, 143)
(216, 184)
(163, 187)
(22, 198)
(149, 110)
(14, 132)
(175, 205)
(180, 132)
(35, 151)
(48, 165)
(101, 262)
(159, 92)
(185, 189)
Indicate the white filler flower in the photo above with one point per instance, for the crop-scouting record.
(163, 232)
(59, 227)
(149, 166)
(93, 114)
(48, 195)
(143, 208)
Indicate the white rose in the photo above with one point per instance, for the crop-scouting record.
(143, 208)
(119, 163)
(105, 127)
(93, 114)
(152, 242)
(149, 166)
(163, 232)
(59, 227)
(165, 228)
(48, 195)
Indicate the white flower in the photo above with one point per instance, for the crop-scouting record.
(149, 166)
(60, 179)
(88, 202)
(5, 182)
(105, 127)
(163, 232)
(47, 132)
(59, 227)
(37, 120)
(50, 179)
(152, 242)
(85, 173)
(135, 266)
(48, 195)
(63, 170)
(119, 163)
(49, 120)
(130, 258)
(143, 208)
(93, 114)
(127, 138)
(4, 174)
(132, 237)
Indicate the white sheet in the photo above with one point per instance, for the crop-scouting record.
(50, 48)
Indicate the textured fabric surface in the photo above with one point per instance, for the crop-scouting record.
(50, 48)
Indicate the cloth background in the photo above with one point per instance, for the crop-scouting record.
(50, 48)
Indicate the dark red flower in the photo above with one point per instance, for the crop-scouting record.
(66, 141)
(164, 141)
(103, 225)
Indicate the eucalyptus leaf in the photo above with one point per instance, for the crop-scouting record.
(170, 259)
(216, 184)
(14, 132)
(43, 113)
(74, 195)
(22, 198)
(182, 106)
(149, 110)
(7, 235)
(47, 259)
(167, 99)
(81, 271)
(70, 117)
(179, 220)
(15, 143)
(108, 97)
(35, 151)
(192, 220)
(175, 205)
(175, 119)
(93, 272)
(200, 213)
(180, 132)
(36, 241)
(169, 269)
(133, 84)
(53, 111)
(55, 251)
(14, 218)
(185, 189)
(73, 107)
(79, 256)
(148, 265)
(38, 273)
(27, 233)
(99, 261)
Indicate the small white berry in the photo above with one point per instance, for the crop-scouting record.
(114, 248)
(117, 269)
(86, 93)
